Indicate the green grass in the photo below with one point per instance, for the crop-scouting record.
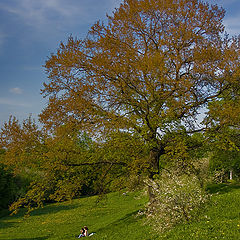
(115, 218)
(112, 218)
(220, 220)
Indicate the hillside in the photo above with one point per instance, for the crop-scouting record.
(111, 218)
(115, 218)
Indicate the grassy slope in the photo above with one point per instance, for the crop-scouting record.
(114, 218)
(110, 219)
(221, 220)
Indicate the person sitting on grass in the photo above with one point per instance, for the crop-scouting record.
(83, 232)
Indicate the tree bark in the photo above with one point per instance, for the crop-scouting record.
(154, 156)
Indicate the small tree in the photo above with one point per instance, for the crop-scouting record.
(178, 199)
(23, 144)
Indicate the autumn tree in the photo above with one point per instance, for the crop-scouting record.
(48, 167)
(58, 178)
(224, 117)
(150, 70)
(57, 166)
(22, 143)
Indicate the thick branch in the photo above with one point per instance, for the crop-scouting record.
(96, 163)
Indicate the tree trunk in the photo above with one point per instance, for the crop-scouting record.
(154, 156)
(151, 195)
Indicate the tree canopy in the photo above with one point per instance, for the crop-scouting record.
(150, 70)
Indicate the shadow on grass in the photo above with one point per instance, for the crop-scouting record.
(222, 188)
(36, 238)
(4, 213)
(7, 224)
(121, 225)
(51, 209)
(127, 219)
(48, 209)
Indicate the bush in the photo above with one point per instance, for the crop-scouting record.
(7, 188)
(11, 187)
(177, 199)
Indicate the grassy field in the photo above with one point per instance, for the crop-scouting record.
(112, 218)
(221, 220)
(115, 218)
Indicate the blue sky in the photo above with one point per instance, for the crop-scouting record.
(30, 30)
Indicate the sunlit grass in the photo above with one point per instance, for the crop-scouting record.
(220, 220)
(115, 218)
(112, 218)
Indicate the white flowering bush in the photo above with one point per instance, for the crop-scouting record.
(218, 176)
(177, 199)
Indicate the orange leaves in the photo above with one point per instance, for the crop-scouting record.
(153, 63)
(22, 143)
(226, 112)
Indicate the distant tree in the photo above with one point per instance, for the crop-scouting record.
(52, 167)
(127, 156)
(11, 186)
(22, 143)
(57, 166)
(225, 161)
(6, 188)
(225, 112)
(224, 152)
(223, 133)
(149, 71)
(51, 163)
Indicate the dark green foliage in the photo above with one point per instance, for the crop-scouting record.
(225, 155)
(8, 188)
(227, 160)
(12, 186)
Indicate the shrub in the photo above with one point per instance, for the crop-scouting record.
(8, 188)
(177, 199)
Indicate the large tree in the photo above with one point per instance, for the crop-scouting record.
(150, 70)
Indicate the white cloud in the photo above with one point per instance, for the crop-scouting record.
(16, 90)
(41, 13)
(52, 14)
(14, 103)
